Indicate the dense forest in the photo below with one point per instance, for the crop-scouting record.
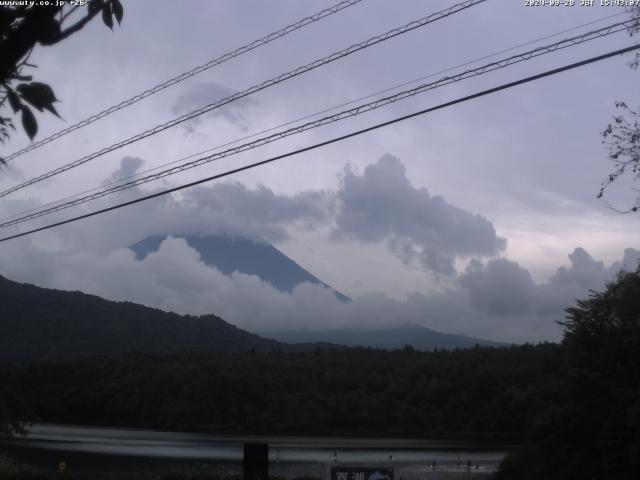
(482, 393)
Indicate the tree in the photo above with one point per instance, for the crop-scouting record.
(592, 430)
(24, 27)
(13, 411)
(622, 135)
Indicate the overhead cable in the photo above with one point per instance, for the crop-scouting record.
(311, 115)
(256, 88)
(505, 86)
(183, 76)
(360, 109)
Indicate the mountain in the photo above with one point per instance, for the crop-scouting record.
(40, 323)
(233, 253)
(418, 337)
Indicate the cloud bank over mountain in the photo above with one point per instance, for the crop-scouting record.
(492, 297)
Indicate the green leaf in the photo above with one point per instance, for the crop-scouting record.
(118, 11)
(106, 16)
(40, 95)
(14, 101)
(29, 122)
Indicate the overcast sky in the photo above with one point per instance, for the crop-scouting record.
(481, 218)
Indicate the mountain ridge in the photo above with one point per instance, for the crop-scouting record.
(230, 253)
(415, 336)
(41, 323)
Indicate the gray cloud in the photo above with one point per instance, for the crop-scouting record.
(10, 173)
(259, 209)
(587, 272)
(128, 166)
(500, 288)
(205, 93)
(382, 204)
(223, 207)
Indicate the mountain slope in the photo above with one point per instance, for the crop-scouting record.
(231, 253)
(418, 337)
(41, 323)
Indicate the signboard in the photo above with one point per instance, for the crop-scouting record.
(256, 461)
(361, 473)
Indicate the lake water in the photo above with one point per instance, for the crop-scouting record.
(290, 457)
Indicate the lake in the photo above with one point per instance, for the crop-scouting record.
(88, 450)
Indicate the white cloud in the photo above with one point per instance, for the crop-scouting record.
(495, 301)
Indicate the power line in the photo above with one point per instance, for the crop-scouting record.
(194, 71)
(595, 34)
(333, 140)
(256, 88)
(315, 114)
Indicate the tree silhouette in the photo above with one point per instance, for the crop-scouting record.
(24, 27)
(592, 428)
(12, 408)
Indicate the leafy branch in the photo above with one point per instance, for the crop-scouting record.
(21, 29)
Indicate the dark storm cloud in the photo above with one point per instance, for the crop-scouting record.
(223, 207)
(205, 93)
(261, 211)
(382, 204)
(630, 260)
(587, 272)
(501, 287)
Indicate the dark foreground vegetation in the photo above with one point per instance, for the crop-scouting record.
(485, 393)
(10, 469)
(590, 428)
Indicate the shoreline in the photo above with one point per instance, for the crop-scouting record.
(105, 466)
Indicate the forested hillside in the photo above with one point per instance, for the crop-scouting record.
(483, 393)
(38, 323)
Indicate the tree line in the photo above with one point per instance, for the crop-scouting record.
(481, 393)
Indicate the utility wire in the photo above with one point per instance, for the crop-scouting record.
(595, 34)
(505, 86)
(315, 114)
(194, 71)
(256, 88)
